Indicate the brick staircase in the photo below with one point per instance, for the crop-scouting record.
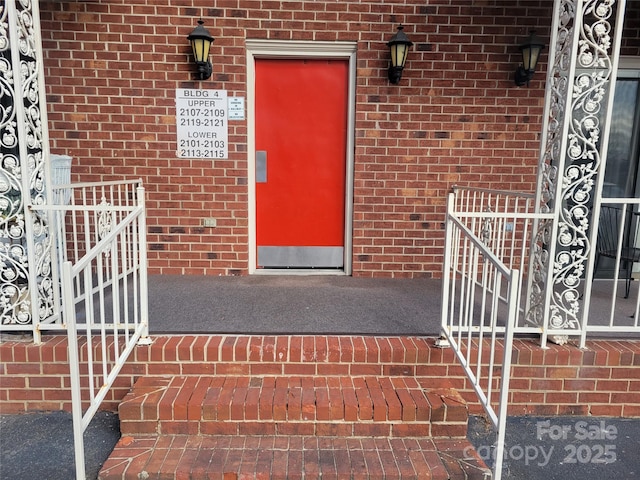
(294, 407)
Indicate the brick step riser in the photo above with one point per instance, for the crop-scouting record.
(341, 406)
(317, 429)
(289, 355)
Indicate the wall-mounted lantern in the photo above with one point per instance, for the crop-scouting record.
(399, 46)
(530, 50)
(201, 41)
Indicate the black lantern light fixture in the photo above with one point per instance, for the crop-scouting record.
(530, 50)
(201, 41)
(399, 46)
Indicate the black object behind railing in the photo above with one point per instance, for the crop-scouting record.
(611, 221)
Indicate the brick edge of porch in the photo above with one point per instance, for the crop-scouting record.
(601, 380)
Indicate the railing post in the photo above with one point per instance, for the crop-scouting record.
(514, 286)
(144, 293)
(69, 309)
(446, 266)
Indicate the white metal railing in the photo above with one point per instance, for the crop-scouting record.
(621, 314)
(504, 222)
(101, 243)
(487, 257)
(480, 298)
(82, 214)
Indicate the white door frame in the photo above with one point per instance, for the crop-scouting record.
(299, 49)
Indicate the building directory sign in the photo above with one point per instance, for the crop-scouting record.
(201, 117)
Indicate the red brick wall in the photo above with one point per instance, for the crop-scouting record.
(601, 380)
(112, 69)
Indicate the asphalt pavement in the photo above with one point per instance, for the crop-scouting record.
(563, 448)
(39, 445)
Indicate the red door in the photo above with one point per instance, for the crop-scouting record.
(301, 135)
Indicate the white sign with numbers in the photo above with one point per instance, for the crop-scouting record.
(201, 117)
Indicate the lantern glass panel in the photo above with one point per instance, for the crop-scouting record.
(399, 54)
(530, 54)
(200, 48)
(533, 57)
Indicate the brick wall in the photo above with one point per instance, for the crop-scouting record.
(112, 69)
(601, 380)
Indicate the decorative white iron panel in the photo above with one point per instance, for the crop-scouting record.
(26, 287)
(579, 85)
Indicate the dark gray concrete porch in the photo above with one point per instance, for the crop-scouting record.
(321, 304)
(294, 304)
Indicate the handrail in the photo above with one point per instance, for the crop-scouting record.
(497, 192)
(76, 185)
(488, 254)
(85, 208)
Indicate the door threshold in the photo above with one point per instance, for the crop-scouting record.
(298, 271)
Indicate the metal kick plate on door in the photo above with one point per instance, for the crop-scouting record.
(261, 166)
(300, 257)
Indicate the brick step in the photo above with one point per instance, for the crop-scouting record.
(291, 457)
(288, 405)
